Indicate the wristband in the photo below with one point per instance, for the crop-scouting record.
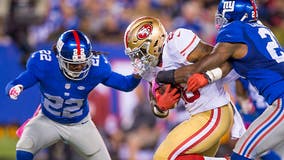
(159, 113)
(214, 74)
(167, 77)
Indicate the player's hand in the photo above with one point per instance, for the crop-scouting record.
(15, 91)
(196, 81)
(168, 99)
(138, 67)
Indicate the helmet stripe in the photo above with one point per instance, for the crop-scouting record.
(126, 39)
(77, 40)
(254, 8)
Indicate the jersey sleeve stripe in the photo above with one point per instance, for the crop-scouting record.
(183, 51)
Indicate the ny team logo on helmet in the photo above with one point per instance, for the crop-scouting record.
(74, 48)
(237, 10)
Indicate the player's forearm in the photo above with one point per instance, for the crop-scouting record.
(121, 82)
(26, 79)
(226, 68)
(175, 76)
(181, 74)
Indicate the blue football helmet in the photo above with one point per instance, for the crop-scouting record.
(74, 54)
(235, 10)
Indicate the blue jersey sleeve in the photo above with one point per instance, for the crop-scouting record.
(116, 80)
(232, 32)
(30, 76)
(39, 63)
(121, 82)
(26, 78)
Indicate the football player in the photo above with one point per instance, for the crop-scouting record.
(66, 75)
(256, 55)
(151, 49)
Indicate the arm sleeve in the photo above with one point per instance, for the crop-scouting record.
(26, 78)
(185, 41)
(29, 77)
(178, 47)
(232, 33)
(120, 82)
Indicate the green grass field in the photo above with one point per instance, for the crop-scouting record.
(7, 148)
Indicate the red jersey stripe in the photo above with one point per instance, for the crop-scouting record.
(182, 52)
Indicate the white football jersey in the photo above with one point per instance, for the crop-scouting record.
(178, 46)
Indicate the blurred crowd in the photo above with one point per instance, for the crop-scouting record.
(29, 23)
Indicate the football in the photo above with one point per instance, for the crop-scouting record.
(161, 89)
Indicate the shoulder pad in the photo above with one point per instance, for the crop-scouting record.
(184, 40)
(232, 32)
(41, 59)
(100, 60)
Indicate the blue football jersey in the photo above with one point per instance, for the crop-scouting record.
(263, 64)
(64, 100)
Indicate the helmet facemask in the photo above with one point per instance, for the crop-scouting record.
(74, 54)
(141, 59)
(66, 66)
(144, 39)
(220, 20)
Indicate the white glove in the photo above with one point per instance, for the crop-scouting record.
(148, 74)
(15, 91)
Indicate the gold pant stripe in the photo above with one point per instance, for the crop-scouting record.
(200, 134)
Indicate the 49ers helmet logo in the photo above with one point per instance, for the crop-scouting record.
(144, 31)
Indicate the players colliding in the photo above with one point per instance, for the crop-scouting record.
(152, 50)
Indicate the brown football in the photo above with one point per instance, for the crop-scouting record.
(161, 89)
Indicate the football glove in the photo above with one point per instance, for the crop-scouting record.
(147, 74)
(196, 81)
(15, 91)
(168, 99)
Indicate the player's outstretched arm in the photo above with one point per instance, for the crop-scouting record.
(121, 82)
(25, 80)
(220, 54)
(199, 80)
